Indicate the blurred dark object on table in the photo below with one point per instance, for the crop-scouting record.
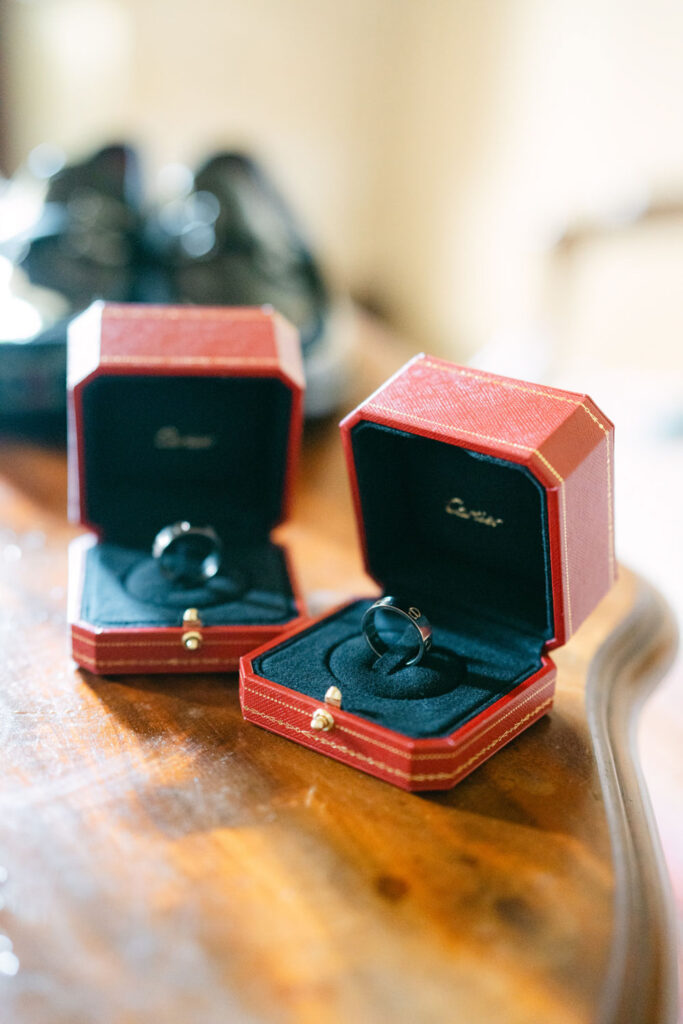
(231, 239)
(85, 243)
(68, 234)
(73, 233)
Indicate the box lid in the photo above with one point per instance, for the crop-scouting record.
(479, 492)
(182, 412)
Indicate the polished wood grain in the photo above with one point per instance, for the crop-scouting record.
(162, 860)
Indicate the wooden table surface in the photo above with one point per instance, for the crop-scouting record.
(163, 861)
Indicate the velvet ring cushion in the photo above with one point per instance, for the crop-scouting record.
(463, 672)
(122, 585)
(144, 582)
(393, 674)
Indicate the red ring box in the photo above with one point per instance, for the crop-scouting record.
(487, 503)
(179, 413)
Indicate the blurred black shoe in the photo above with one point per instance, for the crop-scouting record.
(82, 235)
(85, 242)
(232, 240)
(78, 236)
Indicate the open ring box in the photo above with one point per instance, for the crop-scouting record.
(486, 503)
(180, 413)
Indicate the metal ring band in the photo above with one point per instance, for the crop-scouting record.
(195, 571)
(405, 611)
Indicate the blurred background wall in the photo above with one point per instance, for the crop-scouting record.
(436, 149)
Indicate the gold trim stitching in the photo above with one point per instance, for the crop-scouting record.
(547, 465)
(144, 662)
(563, 511)
(442, 426)
(610, 496)
(610, 513)
(77, 638)
(269, 361)
(578, 403)
(422, 777)
(512, 385)
(422, 756)
(186, 312)
(338, 727)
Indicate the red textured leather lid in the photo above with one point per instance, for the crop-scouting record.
(112, 344)
(562, 438)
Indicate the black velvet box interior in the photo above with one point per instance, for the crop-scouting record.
(210, 450)
(461, 535)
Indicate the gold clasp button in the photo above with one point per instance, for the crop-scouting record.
(322, 720)
(192, 639)
(333, 696)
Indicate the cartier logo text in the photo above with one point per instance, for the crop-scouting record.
(457, 507)
(170, 438)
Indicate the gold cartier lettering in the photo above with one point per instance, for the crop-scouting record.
(457, 507)
(171, 439)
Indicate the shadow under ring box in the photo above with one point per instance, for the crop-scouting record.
(486, 504)
(180, 414)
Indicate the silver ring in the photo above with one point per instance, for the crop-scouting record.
(409, 613)
(188, 554)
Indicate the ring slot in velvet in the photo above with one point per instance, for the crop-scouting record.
(465, 672)
(123, 587)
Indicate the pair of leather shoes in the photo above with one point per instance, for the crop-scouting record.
(228, 239)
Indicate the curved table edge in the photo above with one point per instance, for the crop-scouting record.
(641, 984)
